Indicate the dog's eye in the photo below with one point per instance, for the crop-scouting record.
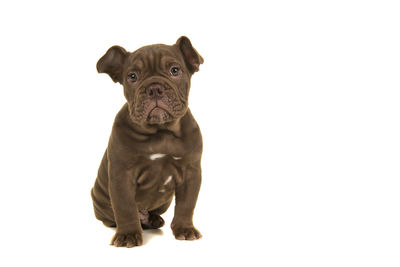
(132, 77)
(174, 71)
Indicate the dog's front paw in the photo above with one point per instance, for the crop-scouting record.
(186, 233)
(127, 240)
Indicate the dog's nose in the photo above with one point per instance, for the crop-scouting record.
(155, 90)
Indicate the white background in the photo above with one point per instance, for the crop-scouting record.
(298, 102)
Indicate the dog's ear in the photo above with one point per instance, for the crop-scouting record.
(112, 63)
(191, 56)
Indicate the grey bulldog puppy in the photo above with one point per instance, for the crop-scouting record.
(155, 147)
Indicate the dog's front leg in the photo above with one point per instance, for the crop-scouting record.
(122, 188)
(185, 202)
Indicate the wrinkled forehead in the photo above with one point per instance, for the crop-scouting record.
(154, 56)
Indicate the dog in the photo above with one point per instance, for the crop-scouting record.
(155, 146)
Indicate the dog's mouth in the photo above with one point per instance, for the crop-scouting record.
(158, 115)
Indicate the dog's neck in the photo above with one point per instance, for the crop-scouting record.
(174, 127)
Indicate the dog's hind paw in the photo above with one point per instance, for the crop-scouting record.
(153, 221)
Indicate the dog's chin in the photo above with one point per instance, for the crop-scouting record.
(156, 115)
(159, 116)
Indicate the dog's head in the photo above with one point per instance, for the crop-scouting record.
(156, 78)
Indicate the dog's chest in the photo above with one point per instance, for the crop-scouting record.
(166, 169)
(160, 167)
(159, 174)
